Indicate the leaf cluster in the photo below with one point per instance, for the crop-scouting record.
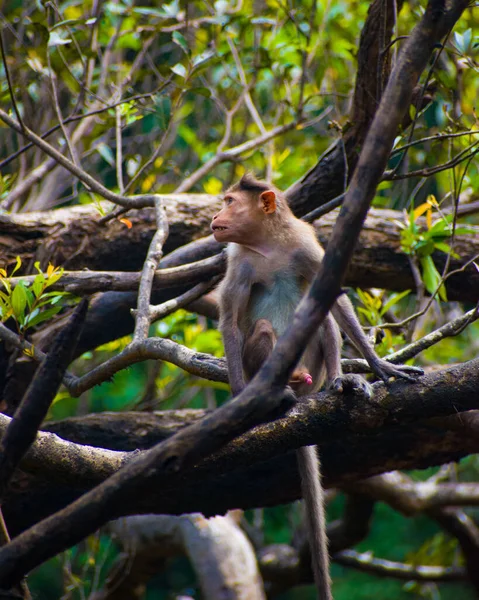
(29, 305)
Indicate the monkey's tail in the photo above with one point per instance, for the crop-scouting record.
(309, 470)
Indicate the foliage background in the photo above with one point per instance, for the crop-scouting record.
(293, 65)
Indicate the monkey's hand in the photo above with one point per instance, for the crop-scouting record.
(384, 370)
(353, 384)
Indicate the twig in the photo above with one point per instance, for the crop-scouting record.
(365, 561)
(324, 209)
(250, 105)
(119, 157)
(25, 184)
(9, 83)
(74, 118)
(160, 146)
(432, 138)
(420, 100)
(448, 330)
(90, 282)
(232, 154)
(400, 324)
(196, 363)
(428, 171)
(155, 252)
(177, 454)
(17, 342)
(165, 308)
(58, 111)
(138, 201)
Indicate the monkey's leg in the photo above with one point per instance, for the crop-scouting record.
(258, 346)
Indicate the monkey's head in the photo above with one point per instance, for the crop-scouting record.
(249, 209)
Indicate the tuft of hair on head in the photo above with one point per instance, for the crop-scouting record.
(249, 183)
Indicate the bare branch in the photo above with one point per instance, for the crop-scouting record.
(433, 138)
(454, 327)
(9, 82)
(366, 562)
(413, 497)
(90, 282)
(465, 154)
(162, 310)
(196, 363)
(138, 201)
(155, 252)
(119, 155)
(232, 154)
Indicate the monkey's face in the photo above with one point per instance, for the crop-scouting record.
(236, 221)
(242, 218)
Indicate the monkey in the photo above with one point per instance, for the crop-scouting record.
(272, 259)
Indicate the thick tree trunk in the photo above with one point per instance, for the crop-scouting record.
(404, 427)
(74, 238)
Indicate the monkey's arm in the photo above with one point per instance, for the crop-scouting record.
(344, 314)
(235, 292)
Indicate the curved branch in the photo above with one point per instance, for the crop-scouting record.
(366, 562)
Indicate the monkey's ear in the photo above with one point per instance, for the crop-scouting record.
(268, 199)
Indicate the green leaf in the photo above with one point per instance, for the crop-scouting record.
(181, 41)
(432, 277)
(150, 12)
(30, 298)
(6, 284)
(424, 247)
(38, 284)
(57, 40)
(446, 248)
(44, 316)
(31, 316)
(367, 314)
(464, 230)
(54, 277)
(441, 226)
(180, 70)
(66, 23)
(19, 301)
(17, 266)
(203, 58)
(201, 91)
(163, 111)
(394, 299)
(106, 153)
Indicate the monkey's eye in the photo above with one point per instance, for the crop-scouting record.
(228, 200)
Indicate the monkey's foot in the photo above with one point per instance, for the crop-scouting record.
(384, 370)
(353, 384)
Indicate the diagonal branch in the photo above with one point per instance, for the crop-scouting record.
(33, 408)
(89, 181)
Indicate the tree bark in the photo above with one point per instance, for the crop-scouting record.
(404, 427)
(74, 239)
